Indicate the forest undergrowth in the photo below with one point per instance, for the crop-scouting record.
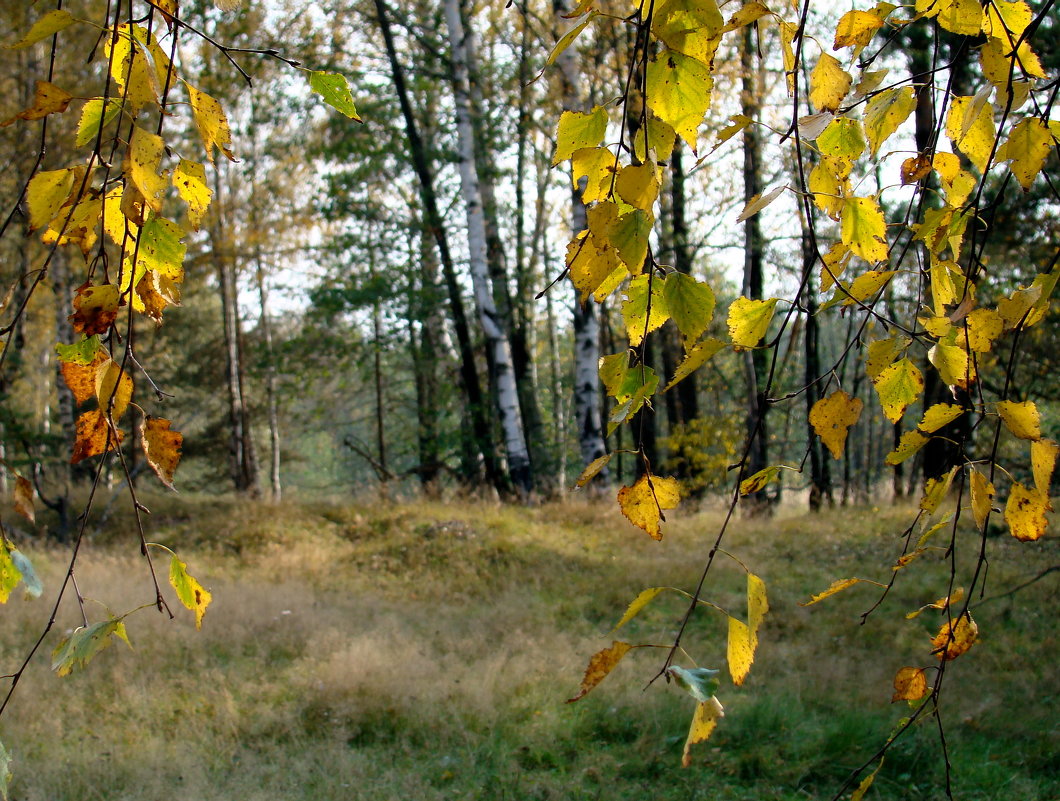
(425, 650)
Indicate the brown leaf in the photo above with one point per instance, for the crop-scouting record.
(915, 168)
(161, 447)
(910, 684)
(24, 498)
(94, 436)
(601, 663)
(95, 308)
(81, 378)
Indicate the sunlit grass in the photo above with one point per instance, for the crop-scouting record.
(425, 650)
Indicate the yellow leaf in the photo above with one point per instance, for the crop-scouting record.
(910, 443)
(48, 99)
(955, 637)
(866, 285)
(941, 603)
(644, 311)
(1006, 20)
(46, 193)
(696, 358)
(593, 469)
(578, 130)
(982, 498)
(885, 113)
(590, 263)
(788, 30)
(114, 388)
(130, 68)
(882, 354)
(1027, 147)
(828, 188)
(864, 229)
(1022, 419)
(691, 27)
(642, 600)
(953, 364)
(910, 684)
(1025, 512)
(190, 180)
(898, 386)
(832, 418)
(567, 39)
(983, 327)
(956, 183)
(964, 17)
(837, 586)
(935, 490)
(749, 320)
(870, 82)
(211, 122)
(757, 481)
(655, 141)
(95, 309)
(745, 15)
(638, 185)
(597, 166)
(939, 415)
(80, 376)
(161, 447)
(757, 606)
(866, 783)
(835, 261)
(48, 25)
(975, 136)
(189, 591)
(856, 29)
(601, 663)
(142, 166)
(740, 650)
(644, 502)
(704, 721)
(829, 84)
(678, 91)
(1043, 462)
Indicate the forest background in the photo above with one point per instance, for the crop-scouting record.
(362, 306)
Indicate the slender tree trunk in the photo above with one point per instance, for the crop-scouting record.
(271, 401)
(587, 401)
(242, 461)
(424, 323)
(687, 395)
(498, 346)
(755, 360)
(480, 426)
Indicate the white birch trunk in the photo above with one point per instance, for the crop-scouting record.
(498, 346)
(586, 326)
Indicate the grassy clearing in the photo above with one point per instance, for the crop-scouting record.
(425, 651)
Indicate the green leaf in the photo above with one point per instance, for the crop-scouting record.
(32, 582)
(335, 90)
(842, 139)
(678, 91)
(189, 591)
(5, 771)
(691, 304)
(77, 650)
(48, 25)
(700, 683)
(161, 249)
(81, 352)
(95, 115)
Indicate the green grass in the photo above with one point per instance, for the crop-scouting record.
(417, 650)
